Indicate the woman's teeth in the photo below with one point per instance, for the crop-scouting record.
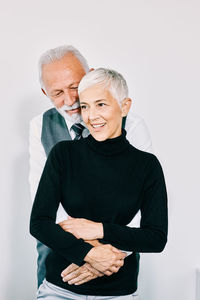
(99, 125)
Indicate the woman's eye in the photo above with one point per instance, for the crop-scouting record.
(83, 106)
(101, 104)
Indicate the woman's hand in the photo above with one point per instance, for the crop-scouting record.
(74, 274)
(106, 259)
(83, 228)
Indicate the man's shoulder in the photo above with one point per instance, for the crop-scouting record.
(132, 120)
(37, 120)
(137, 132)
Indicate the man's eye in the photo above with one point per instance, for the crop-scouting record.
(73, 87)
(58, 94)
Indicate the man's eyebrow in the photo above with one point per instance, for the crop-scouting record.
(57, 90)
(74, 83)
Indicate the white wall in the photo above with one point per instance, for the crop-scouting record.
(155, 45)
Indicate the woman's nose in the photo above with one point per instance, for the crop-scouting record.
(93, 115)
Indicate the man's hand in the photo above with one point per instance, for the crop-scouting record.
(83, 228)
(106, 259)
(74, 274)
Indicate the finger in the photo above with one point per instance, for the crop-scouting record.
(80, 271)
(108, 273)
(80, 277)
(70, 277)
(120, 255)
(120, 263)
(67, 226)
(116, 250)
(62, 223)
(69, 269)
(85, 280)
(114, 269)
(93, 270)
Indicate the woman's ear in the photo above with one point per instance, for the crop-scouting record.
(125, 106)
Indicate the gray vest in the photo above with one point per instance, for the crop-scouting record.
(54, 129)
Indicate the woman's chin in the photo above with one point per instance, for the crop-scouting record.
(99, 136)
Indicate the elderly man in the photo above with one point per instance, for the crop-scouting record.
(61, 69)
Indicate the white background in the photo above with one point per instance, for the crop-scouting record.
(155, 45)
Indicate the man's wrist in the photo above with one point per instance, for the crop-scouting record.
(93, 242)
(88, 257)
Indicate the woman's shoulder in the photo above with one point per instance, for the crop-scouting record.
(150, 160)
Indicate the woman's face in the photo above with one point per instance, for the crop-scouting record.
(101, 113)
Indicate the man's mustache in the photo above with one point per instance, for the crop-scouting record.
(70, 107)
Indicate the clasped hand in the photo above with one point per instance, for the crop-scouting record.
(100, 260)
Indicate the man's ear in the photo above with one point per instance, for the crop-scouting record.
(91, 69)
(44, 92)
(125, 106)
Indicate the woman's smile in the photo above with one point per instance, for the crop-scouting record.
(101, 113)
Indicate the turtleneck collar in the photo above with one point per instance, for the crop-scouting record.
(109, 146)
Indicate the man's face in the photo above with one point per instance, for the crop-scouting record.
(61, 79)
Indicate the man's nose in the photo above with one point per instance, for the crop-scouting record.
(69, 99)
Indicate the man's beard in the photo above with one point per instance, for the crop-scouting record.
(75, 118)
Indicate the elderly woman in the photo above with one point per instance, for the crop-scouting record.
(102, 182)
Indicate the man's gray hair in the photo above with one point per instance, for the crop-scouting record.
(109, 80)
(57, 53)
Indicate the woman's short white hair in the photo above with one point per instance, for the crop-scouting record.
(109, 80)
(57, 53)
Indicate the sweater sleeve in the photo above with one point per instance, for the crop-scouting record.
(152, 234)
(43, 215)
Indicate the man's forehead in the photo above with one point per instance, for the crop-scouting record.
(69, 62)
(59, 72)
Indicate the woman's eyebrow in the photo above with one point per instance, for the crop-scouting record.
(96, 101)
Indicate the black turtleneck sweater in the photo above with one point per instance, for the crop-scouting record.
(104, 182)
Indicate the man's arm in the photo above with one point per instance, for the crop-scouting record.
(37, 156)
(37, 161)
(138, 136)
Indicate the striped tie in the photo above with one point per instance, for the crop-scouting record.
(78, 129)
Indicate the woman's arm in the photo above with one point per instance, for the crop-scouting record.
(152, 234)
